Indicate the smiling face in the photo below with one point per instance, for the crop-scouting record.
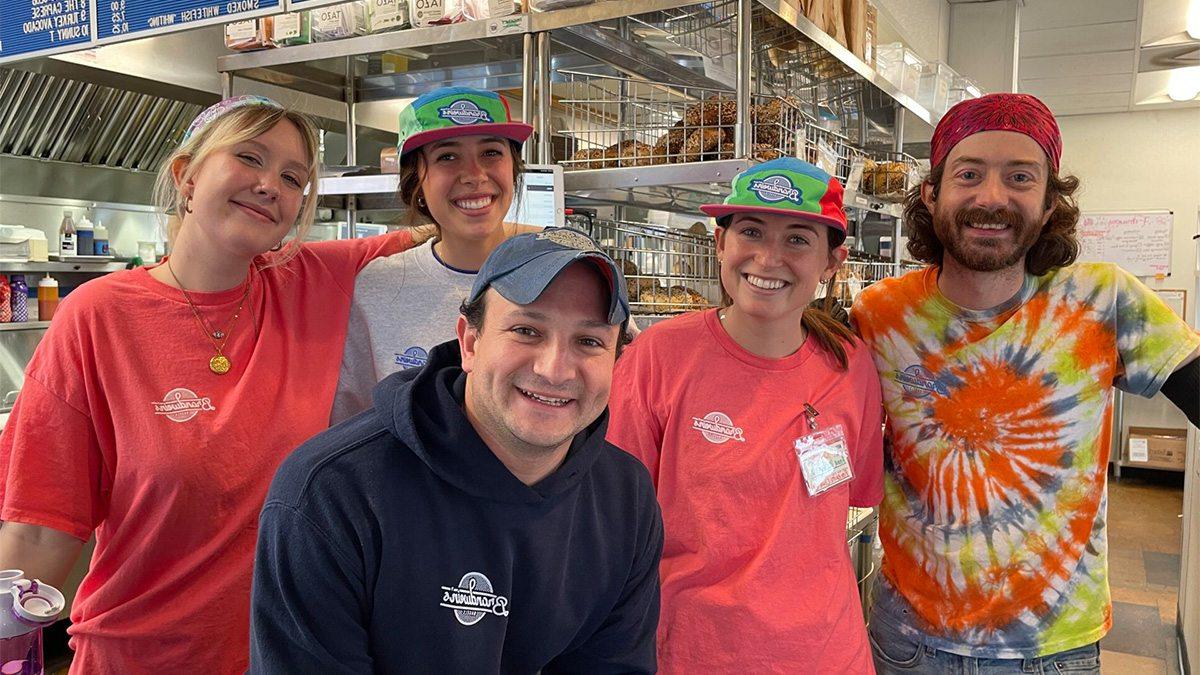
(538, 374)
(467, 182)
(990, 206)
(771, 264)
(246, 196)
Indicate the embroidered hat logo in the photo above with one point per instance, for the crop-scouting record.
(473, 598)
(775, 188)
(463, 111)
(181, 405)
(716, 427)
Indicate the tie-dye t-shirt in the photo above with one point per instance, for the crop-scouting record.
(993, 518)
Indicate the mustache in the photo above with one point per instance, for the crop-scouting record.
(975, 216)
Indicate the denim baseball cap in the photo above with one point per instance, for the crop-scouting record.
(790, 187)
(522, 268)
(447, 112)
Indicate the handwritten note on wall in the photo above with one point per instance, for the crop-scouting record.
(1138, 242)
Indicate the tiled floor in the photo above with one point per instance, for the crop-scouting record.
(1144, 530)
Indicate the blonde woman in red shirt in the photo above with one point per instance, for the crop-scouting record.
(161, 400)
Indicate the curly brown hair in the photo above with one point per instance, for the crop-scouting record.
(1057, 246)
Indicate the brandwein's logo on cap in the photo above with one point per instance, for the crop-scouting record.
(775, 188)
(463, 111)
(569, 239)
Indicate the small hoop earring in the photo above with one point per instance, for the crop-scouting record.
(421, 201)
(187, 205)
(277, 247)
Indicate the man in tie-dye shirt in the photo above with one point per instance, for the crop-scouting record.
(998, 363)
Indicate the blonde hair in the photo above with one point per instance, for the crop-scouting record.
(236, 126)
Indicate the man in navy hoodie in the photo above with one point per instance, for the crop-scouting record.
(474, 520)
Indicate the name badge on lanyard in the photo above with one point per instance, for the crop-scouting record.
(824, 457)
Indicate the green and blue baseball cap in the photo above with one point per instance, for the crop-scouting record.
(457, 111)
(790, 187)
(522, 267)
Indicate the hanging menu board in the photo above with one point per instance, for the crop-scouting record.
(1139, 242)
(40, 27)
(119, 20)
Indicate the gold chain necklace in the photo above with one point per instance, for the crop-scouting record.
(218, 364)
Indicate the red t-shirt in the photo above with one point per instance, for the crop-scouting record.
(122, 429)
(756, 574)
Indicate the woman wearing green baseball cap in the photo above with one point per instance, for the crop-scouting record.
(460, 167)
(761, 424)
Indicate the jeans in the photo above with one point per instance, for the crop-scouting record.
(895, 653)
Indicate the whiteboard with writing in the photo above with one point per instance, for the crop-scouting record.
(1138, 242)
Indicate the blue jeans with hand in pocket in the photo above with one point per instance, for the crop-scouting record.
(898, 654)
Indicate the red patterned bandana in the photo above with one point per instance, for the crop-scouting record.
(1021, 113)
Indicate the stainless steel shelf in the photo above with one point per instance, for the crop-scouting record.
(789, 13)
(417, 38)
(852, 199)
(386, 183)
(720, 172)
(52, 266)
(25, 325)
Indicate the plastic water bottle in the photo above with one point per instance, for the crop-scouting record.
(27, 608)
(66, 236)
(20, 298)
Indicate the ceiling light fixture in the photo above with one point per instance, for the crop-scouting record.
(1184, 84)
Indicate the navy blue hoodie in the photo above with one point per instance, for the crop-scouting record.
(397, 542)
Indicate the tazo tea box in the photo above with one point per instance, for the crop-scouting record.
(385, 15)
(339, 21)
(424, 13)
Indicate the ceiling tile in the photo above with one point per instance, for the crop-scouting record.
(1043, 14)
(1085, 103)
(1079, 85)
(1108, 37)
(1076, 65)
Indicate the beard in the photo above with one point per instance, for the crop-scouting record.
(981, 254)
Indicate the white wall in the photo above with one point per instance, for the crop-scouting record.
(924, 25)
(1142, 161)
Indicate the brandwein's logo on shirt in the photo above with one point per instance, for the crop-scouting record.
(716, 427)
(181, 405)
(918, 381)
(472, 599)
(413, 357)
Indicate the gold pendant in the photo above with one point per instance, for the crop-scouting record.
(219, 364)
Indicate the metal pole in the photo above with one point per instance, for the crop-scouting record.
(742, 136)
(351, 146)
(226, 85)
(528, 89)
(898, 225)
(543, 102)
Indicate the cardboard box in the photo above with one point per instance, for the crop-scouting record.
(1153, 446)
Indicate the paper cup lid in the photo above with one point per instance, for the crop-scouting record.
(35, 602)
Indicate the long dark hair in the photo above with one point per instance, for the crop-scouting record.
(411, 175)
(1057, 246)
(831, 335)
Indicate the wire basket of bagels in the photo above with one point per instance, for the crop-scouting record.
(888, 176)
(620, 122)
(667, 270)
